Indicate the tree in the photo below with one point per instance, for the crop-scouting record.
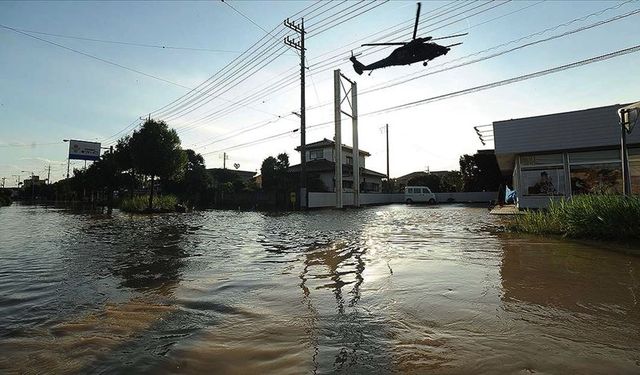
(430, 180)
(155, 151)
(274, 172)
(480, 172)
(196, 179)
(451, 182)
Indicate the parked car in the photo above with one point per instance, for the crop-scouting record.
(419, 194)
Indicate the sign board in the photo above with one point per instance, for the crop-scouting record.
(81, 150)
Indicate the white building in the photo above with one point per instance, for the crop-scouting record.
(321, 167)
(563, 154)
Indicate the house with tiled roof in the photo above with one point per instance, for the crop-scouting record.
(321, 168)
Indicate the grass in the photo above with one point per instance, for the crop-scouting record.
(601, 217)
(140, 204)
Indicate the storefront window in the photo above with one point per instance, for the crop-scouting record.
(634, 170)
(602, 178)
(543, 181)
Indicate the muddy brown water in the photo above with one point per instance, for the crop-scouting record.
(392, 289)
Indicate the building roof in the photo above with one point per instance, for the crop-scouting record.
(324, 165)
(411, 175)
(575, 130)
(587, 128)
(329, 143)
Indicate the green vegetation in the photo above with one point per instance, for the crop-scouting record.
(155, 151)
(603, 217)
(5, 198)
(140, 204)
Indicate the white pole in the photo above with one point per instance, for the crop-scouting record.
(338, 138)
(356, 149)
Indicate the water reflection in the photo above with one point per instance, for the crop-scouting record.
(380, 290)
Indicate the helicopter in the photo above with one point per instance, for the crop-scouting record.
(418, 49)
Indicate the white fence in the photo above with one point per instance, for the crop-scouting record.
(317, 200)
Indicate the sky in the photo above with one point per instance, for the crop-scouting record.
(95, 92)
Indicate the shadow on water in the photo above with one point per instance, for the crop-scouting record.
(583, 302)
(105, 318)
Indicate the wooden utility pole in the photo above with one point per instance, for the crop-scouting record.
(299, 46)
(49, 175)
(224, 160)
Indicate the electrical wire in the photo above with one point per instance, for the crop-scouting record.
(450, 95)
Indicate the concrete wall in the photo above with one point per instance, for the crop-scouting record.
(317, 200)
(467, 197)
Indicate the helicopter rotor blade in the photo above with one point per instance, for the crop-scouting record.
(453, 45)
(450, 36)
(385, 44)
(415, 27)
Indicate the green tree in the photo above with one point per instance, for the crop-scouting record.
(451, 182)
(156, 152)
(197, 180)
(432, 181)
(480, 172)
(274, 172)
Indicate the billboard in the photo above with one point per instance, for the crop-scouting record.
(82, 150)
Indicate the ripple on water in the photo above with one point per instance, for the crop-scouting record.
(377, 290)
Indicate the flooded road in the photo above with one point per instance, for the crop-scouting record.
(390, 289)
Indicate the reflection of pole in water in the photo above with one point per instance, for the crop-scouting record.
(332, 259)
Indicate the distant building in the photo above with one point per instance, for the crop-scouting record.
(404, 180)
(564, 154)
(321, 167)
(35, 180)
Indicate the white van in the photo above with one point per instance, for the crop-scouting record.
(419, 194)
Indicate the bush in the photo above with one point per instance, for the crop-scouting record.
(608, 217)
(139, 204)
(5, 199)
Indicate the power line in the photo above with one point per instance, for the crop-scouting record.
(246, 17)
(134, 44)
(509, 81)
(442, 12)
(570, 32)
(450, 95)
(29, 144)
(94, 57)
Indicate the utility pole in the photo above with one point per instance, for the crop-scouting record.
(224, 160)
(3, 178)
(299, 46)
(337, 118)
(356, 148)
(49, 175)
(387, 131)
(351, 93)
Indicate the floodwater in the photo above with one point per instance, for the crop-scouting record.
(392, 289)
